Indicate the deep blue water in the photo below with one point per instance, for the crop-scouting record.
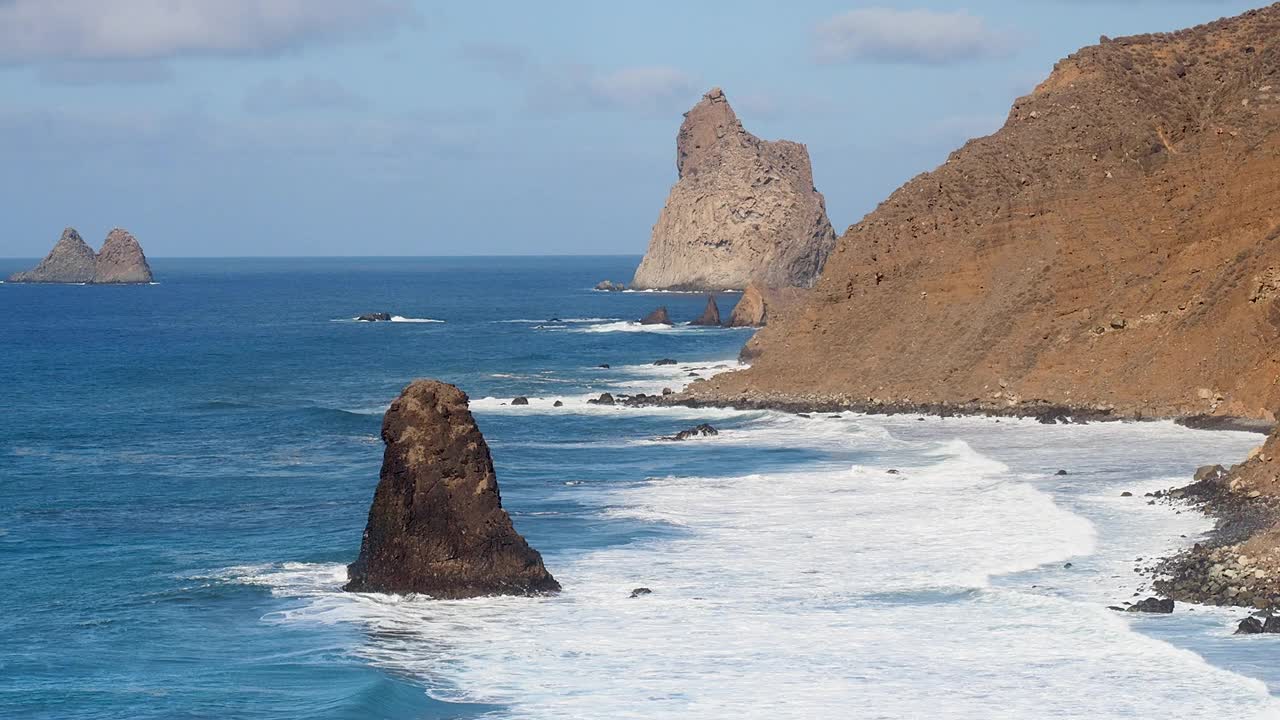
(154, 435)
(185, 468)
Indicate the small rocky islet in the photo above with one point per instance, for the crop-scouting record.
(120, 261)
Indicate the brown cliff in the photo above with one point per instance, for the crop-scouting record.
(743, 210)
(1115, 246)
(437, 525)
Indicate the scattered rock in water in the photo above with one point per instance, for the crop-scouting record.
(436, 525)
(803, 415)
(657, 317)
(893, 471)
(521, 400)
(710, 316)
(1067, 566)
(703, 430)
(664, 361)
(603, 365)
(1061, 472)
(604, 399)
(641, 592)
(1152, 605)
(1126, 493)
(1249, 626)
(375, 317)
(557, 403)
(610, 286)
(835, 417)
(668, 391)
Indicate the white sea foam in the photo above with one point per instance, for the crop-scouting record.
(634, 326)
(834, 592)
(551, 321)
(394, 319)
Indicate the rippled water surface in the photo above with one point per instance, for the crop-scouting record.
(186, 469)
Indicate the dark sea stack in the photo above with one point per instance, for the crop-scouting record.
(751, 310)
(710, 316)
(70, 261)
(657, 317)
(121, 260)
(436, 525)
(743, 210)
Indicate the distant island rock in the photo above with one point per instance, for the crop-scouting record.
(120, 261)
(437, 525)
(743, 210)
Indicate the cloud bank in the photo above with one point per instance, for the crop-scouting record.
(908, 36)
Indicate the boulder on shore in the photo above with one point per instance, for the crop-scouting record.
(436, 525)
(710, 316)
(657, 317)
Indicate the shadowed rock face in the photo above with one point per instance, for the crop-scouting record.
(120, 261)
(751, 310)
(437, 525)
(743, 210)
(70, 261)
(1112, 248)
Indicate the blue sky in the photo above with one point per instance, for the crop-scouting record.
(394, 127)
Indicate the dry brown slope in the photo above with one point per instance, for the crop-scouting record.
(1116, 244)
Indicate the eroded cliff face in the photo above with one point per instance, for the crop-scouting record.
(1116, 246)
(436, 525)
(743, 210)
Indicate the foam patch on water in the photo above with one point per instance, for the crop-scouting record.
(394, 319)
(834, 592)
(636, 327)
(553, 321)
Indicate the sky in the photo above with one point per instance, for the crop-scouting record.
(214, 128)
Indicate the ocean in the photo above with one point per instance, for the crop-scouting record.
(186, 468)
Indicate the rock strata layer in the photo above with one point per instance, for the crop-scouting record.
(120, 261)
(1113, 248)
(743, 210)
(437, 525)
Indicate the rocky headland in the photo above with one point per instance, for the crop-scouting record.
(743, 210)
(1110, 251)
(436, 525)
(120, 261)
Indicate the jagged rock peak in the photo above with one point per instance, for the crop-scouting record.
(121, 260)
(70, 261)
(436, 525)
(742, 210)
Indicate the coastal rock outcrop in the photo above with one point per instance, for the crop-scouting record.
(437, 525)
(659, 316)
(120, 261)
(743, 210)
(710, 316)
(70, 261)
(751, 310)
(1139, 182)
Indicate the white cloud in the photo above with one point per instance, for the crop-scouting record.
(646, 88)
(908, 36)
(59, 30)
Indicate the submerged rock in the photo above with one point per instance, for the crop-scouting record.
(375, 317)
(610, 286)
(520, 400)
(710, 316)
(703, 430)
(1152, 605)
(657, 317)
(664, 361)
(436, 525)
(604, 399)
(1249, 626)
(641, 592)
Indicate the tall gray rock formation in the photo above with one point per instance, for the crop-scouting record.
(744, 210)
(120, 261)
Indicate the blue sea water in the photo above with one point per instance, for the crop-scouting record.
(186, 467)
